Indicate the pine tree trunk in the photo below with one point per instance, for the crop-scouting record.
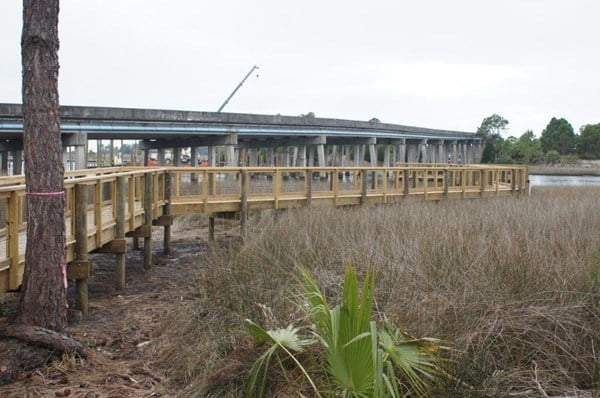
(43, 298)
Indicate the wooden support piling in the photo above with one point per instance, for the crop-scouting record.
(120, 231)
(148, 191)
(211, 228)
(406, 181)
(81, 249)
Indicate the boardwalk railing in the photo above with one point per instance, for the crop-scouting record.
(105, 206)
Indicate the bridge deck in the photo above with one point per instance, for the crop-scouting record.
(212, 190)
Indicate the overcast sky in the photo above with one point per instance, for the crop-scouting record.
(442, 64)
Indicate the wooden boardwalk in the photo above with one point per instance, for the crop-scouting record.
(105, 206)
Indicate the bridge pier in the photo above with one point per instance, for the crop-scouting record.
(422, 154)
(161, 156)
(373, 155)
(17, 163)
(454, 151)
(270, 157)
(253, 161)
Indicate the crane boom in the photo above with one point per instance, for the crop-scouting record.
(237, 88)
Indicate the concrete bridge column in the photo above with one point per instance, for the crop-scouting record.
(373, 154)
(311, 156)
(161, 156)
(294, 156)
(194, 156)
(454, 151)
(65, 160)
(357, 162)
(423, 151)
(4, 163)
(321, 155)
(177, 156)
(335, 156)
(363, 149)
(229, 155)
(441, 152)
(343, 154)
(80, 157)
(401, 152)
(17, 162)
(212, 156)
(386, 155)
(243, 157)
(286, 156)
(253, 162)
(270, 157)
(302, 156)
(465, 152)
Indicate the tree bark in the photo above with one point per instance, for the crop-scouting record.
(43, 299)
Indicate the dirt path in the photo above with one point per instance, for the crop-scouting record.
(122, 325)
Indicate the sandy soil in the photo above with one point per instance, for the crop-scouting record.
(122, 325)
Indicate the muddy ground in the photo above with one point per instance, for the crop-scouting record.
(122, 325)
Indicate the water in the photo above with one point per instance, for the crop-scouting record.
(552, 180)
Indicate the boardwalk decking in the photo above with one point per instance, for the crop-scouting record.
(150, 196)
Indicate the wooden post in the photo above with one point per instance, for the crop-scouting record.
(513, 180)
(211, 228)
(276, 188)
(308, 184)
(167, 212)
(148, 191)
(244, 204)
(447, 182)
(335, 187)
(406, 182)
(363, 191)
(482, 182)
(120, 232)
(81, 250)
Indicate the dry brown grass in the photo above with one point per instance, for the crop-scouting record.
(513, 284)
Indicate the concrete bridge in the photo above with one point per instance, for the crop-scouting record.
(234, 139)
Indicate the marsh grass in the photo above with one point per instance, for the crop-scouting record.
(512, 284)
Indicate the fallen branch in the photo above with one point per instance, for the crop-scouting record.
(44, 338)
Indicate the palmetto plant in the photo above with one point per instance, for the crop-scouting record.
(361, 358)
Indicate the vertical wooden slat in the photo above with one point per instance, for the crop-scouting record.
(447, 182)
(308, 187)
(167, 211)
(148, 200)
(98, 211)
(482, 182)
(13, 240)
(277, 188)
(335, 186)
(364, 184)
(406, 182)
(244, 203)
(131, 202)
(120, 230)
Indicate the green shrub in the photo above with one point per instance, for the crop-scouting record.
(552, 156)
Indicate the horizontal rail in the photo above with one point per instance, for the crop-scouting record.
(229, 189)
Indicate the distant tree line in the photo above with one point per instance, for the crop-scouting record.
(557, 139)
